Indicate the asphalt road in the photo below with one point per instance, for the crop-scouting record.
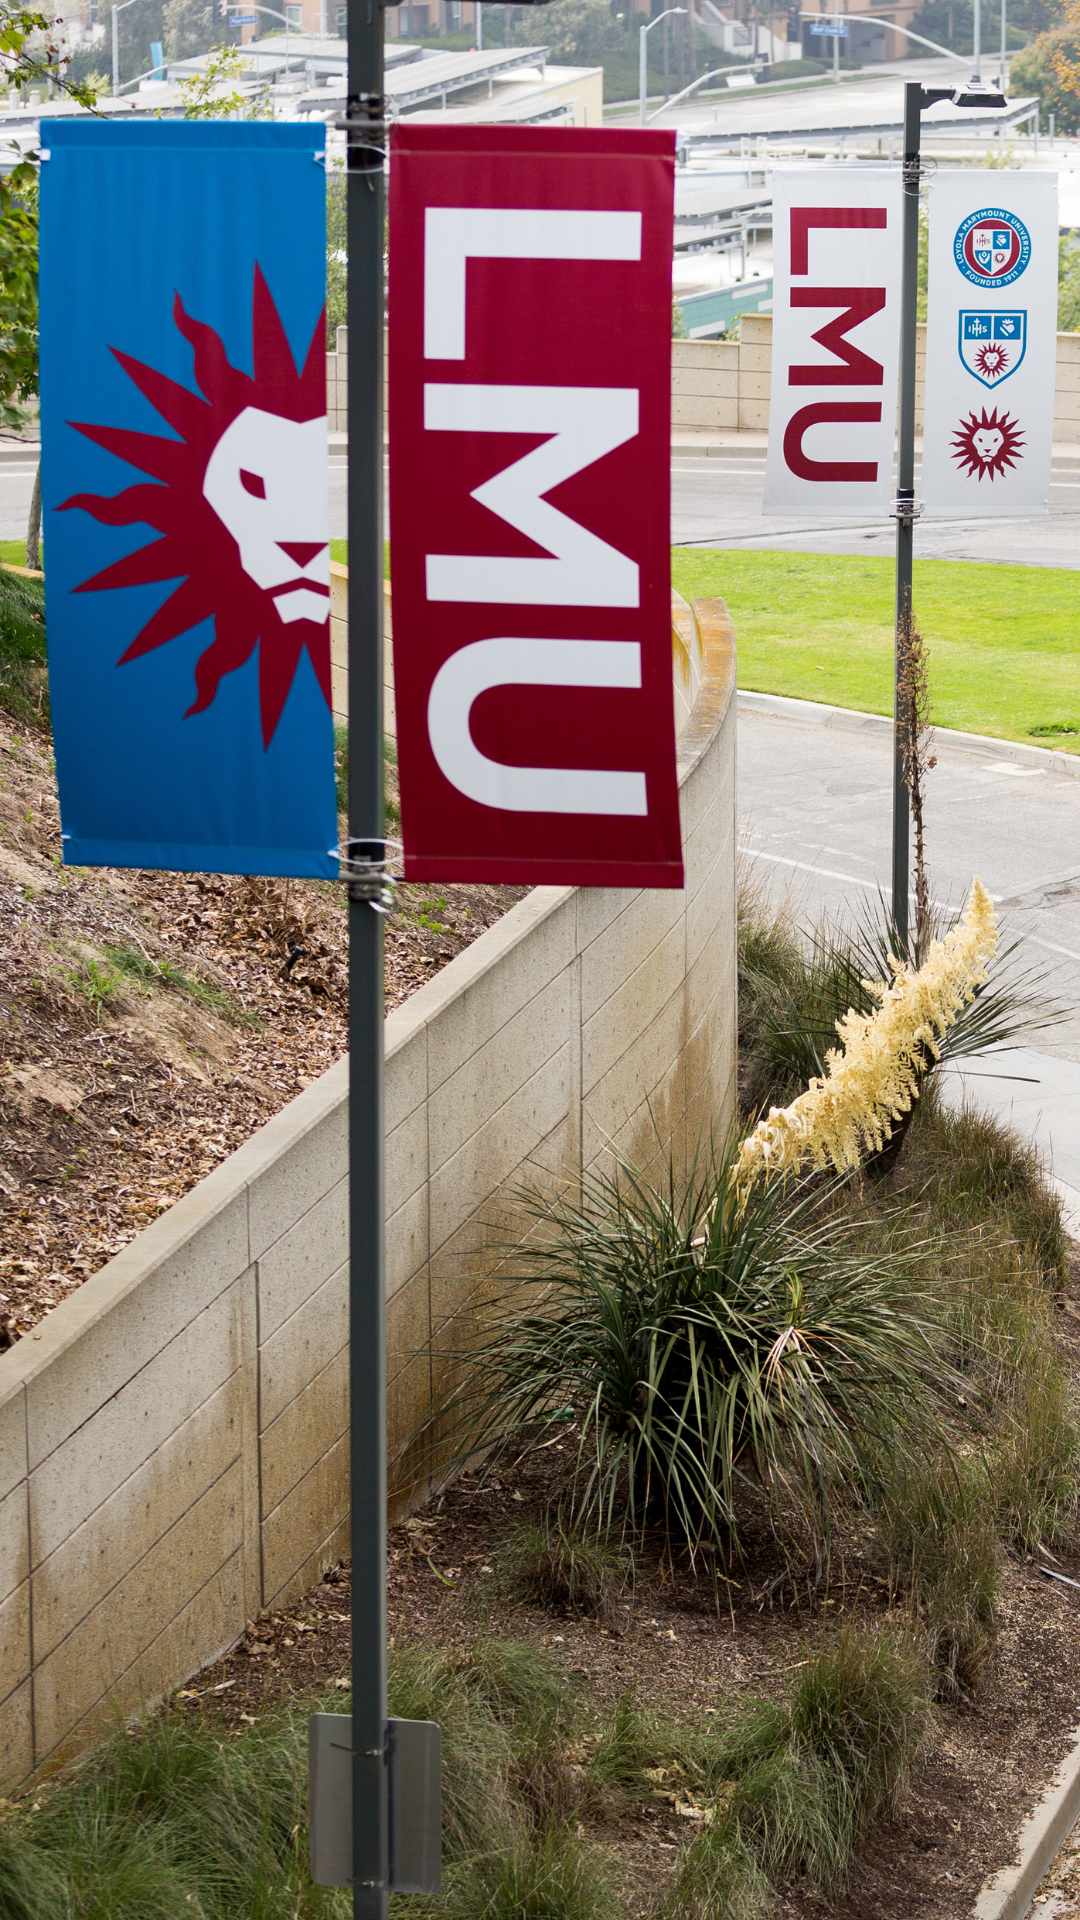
(716, 502)
(815, 806)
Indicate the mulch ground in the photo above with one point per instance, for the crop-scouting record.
(689, 1653)
(114, 1103)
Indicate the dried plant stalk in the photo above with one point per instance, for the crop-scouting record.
(916, 739)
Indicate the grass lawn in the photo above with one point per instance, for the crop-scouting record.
(13, 553)
(1004, 641)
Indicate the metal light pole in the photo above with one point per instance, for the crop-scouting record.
(365, 138)
(643, 53)
(116, 47)
(916, 99)
(976, 71)
(905, 495)
(1003, 74)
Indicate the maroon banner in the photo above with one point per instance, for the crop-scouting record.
(530, 433)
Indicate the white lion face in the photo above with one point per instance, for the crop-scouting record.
(267, 481)
(987, 442)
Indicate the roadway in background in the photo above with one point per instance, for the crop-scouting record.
(815, 806)
(716, 502)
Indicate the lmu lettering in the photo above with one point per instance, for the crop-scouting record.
(851, 367)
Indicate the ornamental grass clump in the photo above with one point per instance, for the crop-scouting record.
(872, 1080)
(709, 1350)
(794, 1781)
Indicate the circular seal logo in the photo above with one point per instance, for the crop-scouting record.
(992, 247)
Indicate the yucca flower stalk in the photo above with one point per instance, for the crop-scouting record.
(872, 1080)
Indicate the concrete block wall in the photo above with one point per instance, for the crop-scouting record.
(173, 1452)
(1067, 390)
(725, 384)
(705, 383)
(339, 651)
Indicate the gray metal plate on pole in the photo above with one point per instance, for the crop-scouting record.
(414, 1765)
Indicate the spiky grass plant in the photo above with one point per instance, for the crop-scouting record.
(427, 1683)
(971, 1170)
(551, 1875)
(559, 1567)
(796, 1780)
(168, 1819)
(1035, 1461)
(938, 1526)
(704, 1348)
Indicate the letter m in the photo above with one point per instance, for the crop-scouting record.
(856, 368)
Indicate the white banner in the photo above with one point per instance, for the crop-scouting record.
(836, 336)
(990, 343)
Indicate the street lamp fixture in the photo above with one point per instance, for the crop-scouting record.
(644, 52)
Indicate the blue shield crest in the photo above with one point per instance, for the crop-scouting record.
(992, 344)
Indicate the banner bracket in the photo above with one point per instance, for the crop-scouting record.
(365, 868)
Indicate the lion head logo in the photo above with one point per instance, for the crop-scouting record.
(240, 498)
(987, 444)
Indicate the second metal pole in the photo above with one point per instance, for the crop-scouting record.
(365, 143)
(905, 497)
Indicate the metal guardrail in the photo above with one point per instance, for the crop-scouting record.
(706, 315)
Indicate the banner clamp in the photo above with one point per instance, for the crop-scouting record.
(365, 867)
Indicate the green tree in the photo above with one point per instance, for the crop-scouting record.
(1050, 67)
(576, 32)
(189, 25)
(18, 292)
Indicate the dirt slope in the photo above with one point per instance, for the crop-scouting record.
(149, 1023)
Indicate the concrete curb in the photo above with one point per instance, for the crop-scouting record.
(1009, 1894)
(851, 720)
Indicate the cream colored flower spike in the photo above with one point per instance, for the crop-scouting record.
(873, 1078)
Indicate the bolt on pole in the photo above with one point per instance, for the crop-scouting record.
(905, 501)
(365, 148)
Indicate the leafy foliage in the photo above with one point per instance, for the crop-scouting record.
(1049, 68)
(1069, 283)
(31, 55)
(18, 292)
(24, 685)
(202, 95)
(576, 32)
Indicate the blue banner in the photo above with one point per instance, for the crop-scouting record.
(185, 494)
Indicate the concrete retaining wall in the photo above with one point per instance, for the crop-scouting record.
(724, 384)
(173, 1436)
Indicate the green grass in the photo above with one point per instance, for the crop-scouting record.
(1004, 641)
